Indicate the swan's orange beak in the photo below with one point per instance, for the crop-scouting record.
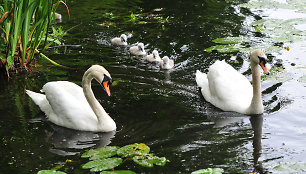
(264, 67)
(106, 87)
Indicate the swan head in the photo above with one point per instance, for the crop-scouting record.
(165, 60)
(100, 74)
(259, 57)
(141, 47)
(155, 54)
(123, 38)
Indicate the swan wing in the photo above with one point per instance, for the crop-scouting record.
(69, 105)
(229, 90)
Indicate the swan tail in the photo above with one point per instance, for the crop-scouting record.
(40, 100)
(201, 79)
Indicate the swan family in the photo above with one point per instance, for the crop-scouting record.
(69, 105)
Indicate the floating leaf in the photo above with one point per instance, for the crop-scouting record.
(50, 172)
(103, 152)
(118, 172)
(149, 160)
(133, 149)
(209, 171)
(288, 167)
(231, 40)
(223, 48)
(103, 164)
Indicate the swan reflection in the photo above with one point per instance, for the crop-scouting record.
(65, 140)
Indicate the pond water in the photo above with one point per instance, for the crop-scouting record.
(163, 109)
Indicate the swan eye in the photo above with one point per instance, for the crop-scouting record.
(107, 79)
(262, 60)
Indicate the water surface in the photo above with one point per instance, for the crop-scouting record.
(163, 109)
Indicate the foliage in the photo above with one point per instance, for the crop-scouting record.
(24, 26)
(109, 157)
(209, 171)
(288, 167)
(50, 172)
(277, 31)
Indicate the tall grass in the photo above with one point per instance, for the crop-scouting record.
(24, 26)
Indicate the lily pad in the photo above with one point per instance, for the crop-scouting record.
(149, 160)
(103, 164)
(100, 153)
(209, 171)
(118, 172)
(133, 150)
(288, 167)
(223, 48)
(231, 40)
(50, 172)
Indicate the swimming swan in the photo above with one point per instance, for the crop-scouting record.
(227, 89)
(138, 50)
(118, 41)
(154, 57)
(167, 63)
(69, 105)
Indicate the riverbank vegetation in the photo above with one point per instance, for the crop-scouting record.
(25, 32)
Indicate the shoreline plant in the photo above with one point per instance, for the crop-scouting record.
(24, 30)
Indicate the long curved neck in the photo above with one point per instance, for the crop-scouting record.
(91, 99)
(256, 106)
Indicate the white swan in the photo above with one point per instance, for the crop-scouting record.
(118, 41)
(227, 89)
(167, 63)
(69, 105)
(154, 57)
(138, 50)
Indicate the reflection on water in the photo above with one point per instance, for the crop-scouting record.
(64, 140)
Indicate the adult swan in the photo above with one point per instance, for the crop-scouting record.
(67, 104)
(227, 89)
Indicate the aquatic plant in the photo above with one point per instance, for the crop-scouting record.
(105, 158)
(209, 171)
(276, 31)
(109, 157)
(24, 26)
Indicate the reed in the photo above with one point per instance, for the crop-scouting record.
(24, 27)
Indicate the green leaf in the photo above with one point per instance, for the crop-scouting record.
(288, 167)
(149, 160)
(10, 60)
(103, 164)
(103, 152)
(118, 172)
(209, 171)
(231, 40)
(223, 48)
(50, 172)
(133, 150)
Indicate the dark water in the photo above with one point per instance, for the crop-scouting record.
(163, 109)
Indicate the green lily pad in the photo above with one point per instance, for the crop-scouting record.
(118, 172)
(231, 40)
(100, 153)
(288, 167)
(133, 150)
(223, 48)
(149, 160)
(50, 172)
(209, 171)
(102, 164)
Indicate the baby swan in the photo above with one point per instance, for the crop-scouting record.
(119, 41)
(167, 63)
(138, 50)
(154, 57)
